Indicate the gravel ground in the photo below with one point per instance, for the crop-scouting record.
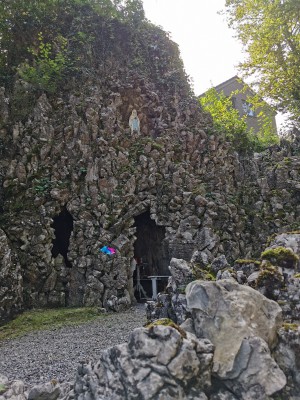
(54, 354)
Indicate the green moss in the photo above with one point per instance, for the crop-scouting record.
(266, 272)
(271, 279)
(281, 302)
(203, 273)
(247, 261)
(208, 276)
(279, 214)
(280, 255)
(290, 327)
(181, 289)
(271, 238)
(297, 276)
(166, 322)
(157, 146)
(200, 189)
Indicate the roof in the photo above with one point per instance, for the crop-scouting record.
(225, 83)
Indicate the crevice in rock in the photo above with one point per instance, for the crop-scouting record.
(63, 227)
(151, 253)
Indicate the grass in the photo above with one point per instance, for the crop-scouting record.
(2, 388)
(37, 320)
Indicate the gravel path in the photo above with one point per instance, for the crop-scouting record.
(54, 354)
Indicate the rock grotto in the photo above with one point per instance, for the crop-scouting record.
(170, 195)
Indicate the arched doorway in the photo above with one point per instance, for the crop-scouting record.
(63, 226)
(151, 254)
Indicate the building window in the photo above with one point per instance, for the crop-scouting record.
(248, 108)
(233, 100)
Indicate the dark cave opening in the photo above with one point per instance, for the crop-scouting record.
(63, 227)
(152, 258)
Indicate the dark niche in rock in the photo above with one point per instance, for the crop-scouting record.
(63, 227)
(152, 257)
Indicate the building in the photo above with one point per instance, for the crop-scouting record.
(241, 95)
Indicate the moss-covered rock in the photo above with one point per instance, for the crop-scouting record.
(203, 273)
(280, 256)
(166, 322)
(247, 261)
(270, 280)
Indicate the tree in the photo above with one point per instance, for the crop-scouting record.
(22, 21)
(270, 33)
(133, 11)
(228, 121)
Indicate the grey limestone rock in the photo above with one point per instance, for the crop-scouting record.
(219, 263)
(181, 271)
(223, 395)
(17, 390)
(287, 355)
(289, 240)
(255, 374)
(47, 391)
(14, 390)
(161, 308)
(241, 323)
(207, 239)
(11, 282)
(157, 363)
(4, 103)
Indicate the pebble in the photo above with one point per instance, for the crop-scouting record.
(54, 354)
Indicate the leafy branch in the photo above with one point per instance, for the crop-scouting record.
(50, 63)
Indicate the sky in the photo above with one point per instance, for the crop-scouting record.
(208, 47)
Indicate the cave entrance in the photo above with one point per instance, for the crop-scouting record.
(151, 254)
(63, 227)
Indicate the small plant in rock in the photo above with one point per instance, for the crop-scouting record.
(270, 280)
(281, 256)
(247, 261)
(290, 326)
(203, 273)
(42, 185)
(166, 322)
(181, 289)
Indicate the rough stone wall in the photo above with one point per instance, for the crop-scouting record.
(75, 152)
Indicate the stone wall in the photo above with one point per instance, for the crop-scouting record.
(74, 153)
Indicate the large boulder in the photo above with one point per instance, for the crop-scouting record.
(241, 323)
(255, 374)
(157, 363)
